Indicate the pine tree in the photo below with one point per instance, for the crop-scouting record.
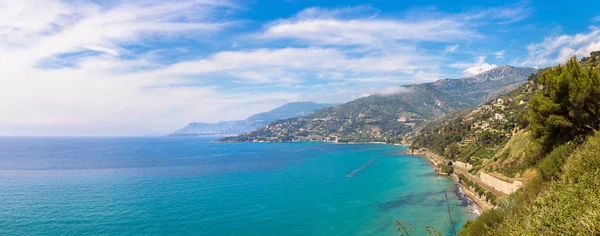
(567, 107)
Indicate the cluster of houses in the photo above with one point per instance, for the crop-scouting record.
(497, 115)
(409, 121)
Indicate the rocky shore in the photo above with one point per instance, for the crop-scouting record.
(434, 160)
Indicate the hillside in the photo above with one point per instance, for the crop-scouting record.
(592, 61)
(377, 118)
(479, 136)
(288, 110)
(386, 118)
(546, 136)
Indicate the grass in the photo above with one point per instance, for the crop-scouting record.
(511, 158)
(567, 205)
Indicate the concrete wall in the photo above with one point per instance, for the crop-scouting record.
(500, 185)
(462, 165)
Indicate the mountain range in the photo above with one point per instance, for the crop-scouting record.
(482, 87)
(385, 118)
(253, 122)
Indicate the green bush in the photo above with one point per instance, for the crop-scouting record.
(491, 197)
(565, 197)
(565, 206)
(484, 224)
(446, 168)
(551, 166)
(567, 107)
(478, 189)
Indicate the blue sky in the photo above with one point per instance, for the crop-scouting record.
(149, 67)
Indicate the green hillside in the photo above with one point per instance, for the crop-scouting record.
(480, 136)
(377, 118)
(387, 118)
(553, 148)
(592, 61)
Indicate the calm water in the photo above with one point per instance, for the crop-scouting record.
(191, 186)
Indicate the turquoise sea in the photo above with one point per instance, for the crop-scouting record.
(191, 186)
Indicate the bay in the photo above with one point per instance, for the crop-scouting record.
(192, 186)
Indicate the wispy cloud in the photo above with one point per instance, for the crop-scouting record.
(328, 27)
(273, 65)
(502, 15)
(93, 80)
(98, 68)
(69, 28)
(499, 54)
(473, 68)
(451, 48)
(554, 50)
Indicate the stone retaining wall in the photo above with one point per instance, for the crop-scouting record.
(462, 165)
(500, 185)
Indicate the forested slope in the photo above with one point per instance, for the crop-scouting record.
(562, 191)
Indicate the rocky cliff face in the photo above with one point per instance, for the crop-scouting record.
(479, 88)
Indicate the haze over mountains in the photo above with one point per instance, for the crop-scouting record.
(383, 118)
(253, 122)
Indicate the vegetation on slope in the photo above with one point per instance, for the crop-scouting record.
(567, 107)
(481, 136)
(563, 198)
(377, 118)
(387, 118)
(592, 61)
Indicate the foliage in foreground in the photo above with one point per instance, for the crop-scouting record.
(564, 199)
(567, 108)
(568, 206)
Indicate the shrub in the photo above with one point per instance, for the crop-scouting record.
(567, 107)
(484, 223)
(446, 168)
(551, 166)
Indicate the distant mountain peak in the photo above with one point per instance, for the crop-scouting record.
(498, 73)
(501, 72)
(486, 85)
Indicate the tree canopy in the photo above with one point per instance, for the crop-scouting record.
(568, 105)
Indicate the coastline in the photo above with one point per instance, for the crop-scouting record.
(331, 142)
(433, 159)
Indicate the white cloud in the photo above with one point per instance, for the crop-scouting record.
(362, 26)
(499, 54)
(474, 68)
(90, 84)
(76, 68)
(502, 15)
(275, 65)
(555, 50)
(392, 90)
(322, 26)
(96, 91)
(69, 28)
(451, 48)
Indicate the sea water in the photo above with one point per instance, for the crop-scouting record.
(192, 186)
